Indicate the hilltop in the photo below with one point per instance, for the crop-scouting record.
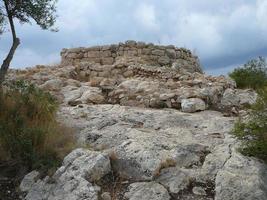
(156, 125)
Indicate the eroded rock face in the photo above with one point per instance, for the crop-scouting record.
(142, 84)
(238, 97)
(241, 178)
(191, 156)
(178, 150)
(192, 105)
(147, 191)
(74, 180)
(127, 108)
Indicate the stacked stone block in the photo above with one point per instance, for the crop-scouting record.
(142, 53)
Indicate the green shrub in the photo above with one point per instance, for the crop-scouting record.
(252, 75)
(253, 131)
(29, 132)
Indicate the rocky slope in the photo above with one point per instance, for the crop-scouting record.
(140, 119)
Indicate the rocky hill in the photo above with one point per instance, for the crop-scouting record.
(156, 126)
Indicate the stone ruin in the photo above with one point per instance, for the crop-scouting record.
(133, 52)
(141, 75)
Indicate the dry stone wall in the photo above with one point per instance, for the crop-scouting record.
(131, 80)
(136, 52)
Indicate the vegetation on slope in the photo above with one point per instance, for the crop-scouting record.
(29, 132)
(253, 130)
(252, 75)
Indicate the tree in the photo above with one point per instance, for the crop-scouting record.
(252, 75)
(24, 11)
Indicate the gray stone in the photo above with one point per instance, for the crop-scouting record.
(158, 52)
(199, 191)
(237, 97)
(52, 85)
(241, 178)
(28, 181)
(164, 60)
(174, 179)
(72, 180)
(106, 196)
(146, 191)
(193, 105)
(171, 53)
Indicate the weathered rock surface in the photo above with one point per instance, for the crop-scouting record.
(125, 102)
(147, 191)
(192, 105)
(72, 181)
(241, 178)
(28, 181)
(175, 149)
(174, 179)
(238, 97)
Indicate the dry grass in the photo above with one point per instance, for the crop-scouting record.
(169, 162)
(113, 155)
(29, 132)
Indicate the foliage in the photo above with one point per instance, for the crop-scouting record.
(41, 11)
(253, 131)
(24, 11)
(252, 75)
(29, 132)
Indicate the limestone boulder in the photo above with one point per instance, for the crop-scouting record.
(174, 179)
(241, 178)
(193, 105)
(147, 191)
(238, 97)
(73, 180)
(28, 181)
(53, 85)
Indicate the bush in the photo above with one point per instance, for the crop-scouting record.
(253, 131)
(252, 75)
(29, 132)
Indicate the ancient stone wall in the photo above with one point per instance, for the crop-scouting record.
(136, 52)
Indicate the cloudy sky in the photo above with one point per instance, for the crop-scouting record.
(223, 33)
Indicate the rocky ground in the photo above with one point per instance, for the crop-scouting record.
(151, 133)
(138, 153)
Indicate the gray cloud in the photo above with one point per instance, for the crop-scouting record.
(224, 33)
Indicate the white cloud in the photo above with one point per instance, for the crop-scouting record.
(74, 15)
(200, 31)
(262, 14)
(146, 17)
(222, 32)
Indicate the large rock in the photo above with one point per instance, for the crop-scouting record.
(53, 85)
(147, 191)
(72, 180)
(28, 181)
(84, 94)
(193, 105)
(144, 141)
(242, 178)
(237, 97)
(174, 179)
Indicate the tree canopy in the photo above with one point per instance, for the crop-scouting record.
(252, 75)
(41, 11)
(24, 11)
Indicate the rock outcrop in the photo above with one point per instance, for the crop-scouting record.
(73, 181)
(157, 127)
